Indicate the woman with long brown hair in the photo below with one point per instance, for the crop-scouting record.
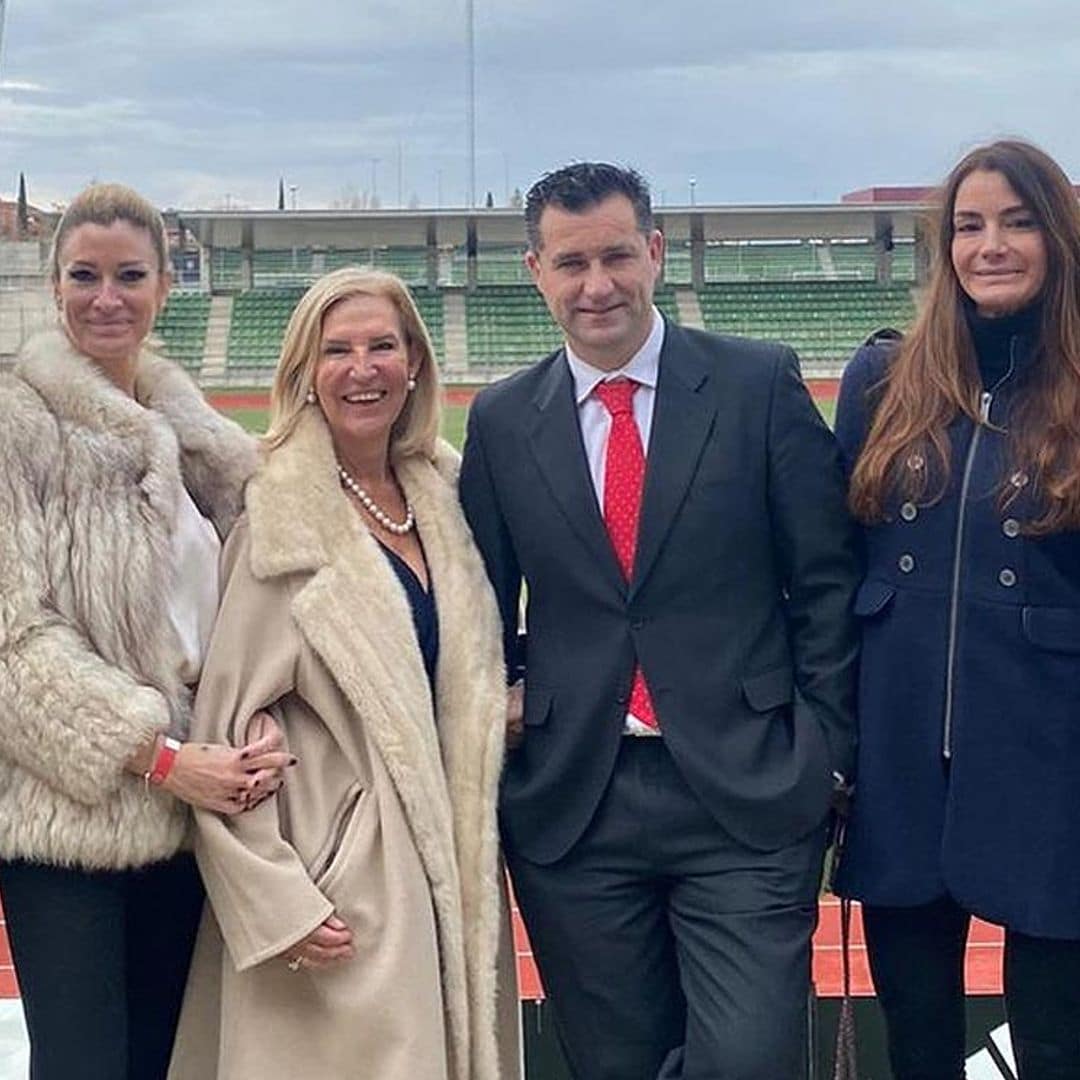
(963, 446)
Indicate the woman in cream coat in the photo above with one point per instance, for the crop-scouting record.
(359, 925)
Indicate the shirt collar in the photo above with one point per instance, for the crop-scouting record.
(643, 367)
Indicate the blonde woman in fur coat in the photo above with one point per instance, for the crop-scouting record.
(359, 928)
(117, 482)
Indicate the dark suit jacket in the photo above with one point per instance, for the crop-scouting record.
(739, 609)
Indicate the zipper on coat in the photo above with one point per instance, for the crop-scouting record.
(986, 399)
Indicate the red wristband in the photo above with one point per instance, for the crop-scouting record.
(163, 761)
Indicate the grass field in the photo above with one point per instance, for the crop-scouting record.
(453, 418)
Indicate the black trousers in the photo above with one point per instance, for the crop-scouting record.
(917, 961)
(101, 958)
(667, 949)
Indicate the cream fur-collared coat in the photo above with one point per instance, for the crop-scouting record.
(89, 485)
(389, 818)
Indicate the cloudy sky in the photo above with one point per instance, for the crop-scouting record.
(205, 103)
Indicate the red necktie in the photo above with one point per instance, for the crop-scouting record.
(624, 477)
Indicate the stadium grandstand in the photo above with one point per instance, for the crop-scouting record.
(25, 305)
(820, 277)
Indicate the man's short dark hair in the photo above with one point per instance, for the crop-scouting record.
(581, 185)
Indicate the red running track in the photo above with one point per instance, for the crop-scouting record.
(983, 958)
(822, 390)
(985, 944)
(260, 399)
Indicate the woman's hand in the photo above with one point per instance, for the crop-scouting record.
(328, 944)
(263, 783)
(228, 779)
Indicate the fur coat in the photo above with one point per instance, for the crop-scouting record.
(389, 818)
(89, 485)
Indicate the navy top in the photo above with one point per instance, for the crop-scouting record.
(422, 603)
(994, 337)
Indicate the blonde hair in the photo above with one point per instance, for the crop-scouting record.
(104, 204)
(417, 426)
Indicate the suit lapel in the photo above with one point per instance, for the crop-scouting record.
(682, 419)
(556, 444)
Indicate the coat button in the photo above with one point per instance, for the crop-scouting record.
(909, 511)
(906, 562)
(637, 624)
(1007, 577)
(1010, 527)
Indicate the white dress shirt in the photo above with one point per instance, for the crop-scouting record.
(595, 422)
(192, 597)
(594, 419)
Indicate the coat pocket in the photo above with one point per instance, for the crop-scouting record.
(336, 846)
(1052, 628)
(873, 598)
(770, 689)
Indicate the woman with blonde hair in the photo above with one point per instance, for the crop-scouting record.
(358, 924)
(117, 484)
(963, 444)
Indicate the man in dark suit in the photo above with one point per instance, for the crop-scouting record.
(674, 503)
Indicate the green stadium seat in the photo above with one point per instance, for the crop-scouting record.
(259, 317)
(181, 326)
(510, 324)
(822, 320)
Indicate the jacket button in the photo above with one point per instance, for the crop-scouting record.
(909, 511)
(1007, 577)
(1010, 527)
(906, 562)
(636, 624)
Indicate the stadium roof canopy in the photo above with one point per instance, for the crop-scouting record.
(343, 229)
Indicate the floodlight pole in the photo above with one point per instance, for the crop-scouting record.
(3, 6)
(373, 196)
(470, 38)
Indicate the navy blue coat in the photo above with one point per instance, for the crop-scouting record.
(971, 645)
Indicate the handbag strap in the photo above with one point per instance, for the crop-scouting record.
(845, 1064)
(845, 943)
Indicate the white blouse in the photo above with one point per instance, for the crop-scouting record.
(193, 594)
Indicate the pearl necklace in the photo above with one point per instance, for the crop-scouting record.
(376, 511)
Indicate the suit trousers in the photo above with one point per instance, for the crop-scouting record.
(917, 960)
(668, 949)
(102, 959)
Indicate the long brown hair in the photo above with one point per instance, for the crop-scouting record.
(934, 376)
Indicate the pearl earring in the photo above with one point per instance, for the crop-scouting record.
(311, 398)
(410, 385)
